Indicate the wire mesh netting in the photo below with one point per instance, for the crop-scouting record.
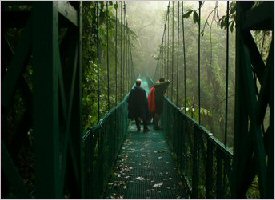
(145, 169)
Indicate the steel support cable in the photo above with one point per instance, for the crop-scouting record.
(98, 62)
(173, 51)
(121, 55)
(167, 69)
(124, 46)
(107, 56)
(178, 45)
(162, 48)
(199, 63)
(184, 56)
(128, 58)
(226, 73)
(165, 52)
(116, 51)
(126, 54)
(132, 65)
(166, 41)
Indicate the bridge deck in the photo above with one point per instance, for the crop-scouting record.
(145, 168)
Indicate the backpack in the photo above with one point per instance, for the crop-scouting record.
(152, 100)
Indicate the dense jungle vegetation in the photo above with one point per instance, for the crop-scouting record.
(145, 31)
(124, 41)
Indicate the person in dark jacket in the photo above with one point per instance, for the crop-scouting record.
(160, 89)
(138, 105)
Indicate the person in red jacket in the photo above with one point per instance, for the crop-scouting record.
(155, 100)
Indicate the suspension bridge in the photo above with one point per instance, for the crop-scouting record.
(112, 159)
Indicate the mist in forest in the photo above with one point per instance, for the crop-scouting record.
(146, 19)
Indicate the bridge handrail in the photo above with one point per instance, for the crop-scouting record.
(101, 144)
(212, 138)
(198, 153)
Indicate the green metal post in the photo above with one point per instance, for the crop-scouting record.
(199, 63)
(121, 54)
(173, 46)
(178, 45)
(184, 57)
(116, 59)
(168, 10)
(46, 64)
(98, 62)
(226, 73)
(107, 54)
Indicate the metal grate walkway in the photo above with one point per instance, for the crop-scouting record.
(145, 169)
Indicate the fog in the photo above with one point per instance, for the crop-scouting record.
(146, 19)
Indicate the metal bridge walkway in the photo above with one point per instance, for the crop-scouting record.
(145, 168)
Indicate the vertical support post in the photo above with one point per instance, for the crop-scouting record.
(226, 73)
(116, 7)
(219, 183)
(124, 46)
(78, 106)
(45, 61)
(165, 53)
(195, 173)
(173, 46)
(178, 45)
(98, 62)
(209, 169)
(107, 54)
(121, 55)
(184, 57)
(168, 10)
(199, 63)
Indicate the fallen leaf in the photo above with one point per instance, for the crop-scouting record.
(157, 185)
(140, 178)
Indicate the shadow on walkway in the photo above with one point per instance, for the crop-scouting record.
(145, 168)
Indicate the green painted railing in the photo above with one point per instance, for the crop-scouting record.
(203, 161)
(101, 145)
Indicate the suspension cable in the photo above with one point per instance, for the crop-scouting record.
(178, 44)
(124, 46)
(226, 73)
(199, 62)
(168, 42)
(116, 7)
(98, 62)
(162, 49)
(184, 56)
(132, 65)
(107, 55)
(173, 46)
(165, 54)
(121, 55)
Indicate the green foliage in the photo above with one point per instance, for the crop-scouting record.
(95, 59)
(187, 14)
